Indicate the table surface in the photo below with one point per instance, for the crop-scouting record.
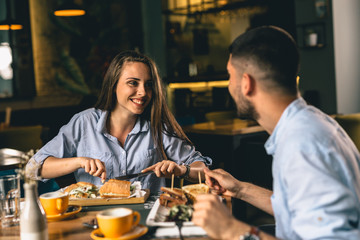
(224, 127)
(73, 228)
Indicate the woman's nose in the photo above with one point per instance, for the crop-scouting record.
(141, 90)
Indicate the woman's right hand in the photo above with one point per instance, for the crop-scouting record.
(222, 182)
(94, 167)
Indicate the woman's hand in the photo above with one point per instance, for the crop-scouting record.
(94, 167)
(166, 168)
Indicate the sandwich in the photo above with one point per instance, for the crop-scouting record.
(115, 189)
(82, 190)
(192, 190)
(172, 197)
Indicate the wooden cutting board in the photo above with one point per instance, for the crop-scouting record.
(109, 201)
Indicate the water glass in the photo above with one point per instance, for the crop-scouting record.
(10, 200)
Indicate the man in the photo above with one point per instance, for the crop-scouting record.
(316, 187)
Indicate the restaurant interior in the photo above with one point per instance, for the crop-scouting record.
(52, 66)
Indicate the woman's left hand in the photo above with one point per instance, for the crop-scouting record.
(166, 168)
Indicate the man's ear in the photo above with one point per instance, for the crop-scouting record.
(248, 84)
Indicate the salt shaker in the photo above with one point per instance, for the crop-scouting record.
(33, 224)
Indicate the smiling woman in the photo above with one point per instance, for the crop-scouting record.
(130, 129)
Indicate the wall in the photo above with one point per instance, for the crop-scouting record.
(317, 70)
(346, 18)
(154, 42)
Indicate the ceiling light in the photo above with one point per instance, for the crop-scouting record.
(9, 23)
(69, 9)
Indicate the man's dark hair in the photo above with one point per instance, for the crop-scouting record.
(274, 51)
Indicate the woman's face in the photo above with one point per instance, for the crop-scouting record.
(134, 88)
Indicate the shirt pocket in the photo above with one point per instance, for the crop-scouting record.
(106, 157)
(145, 158)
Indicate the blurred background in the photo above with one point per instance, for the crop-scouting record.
(52, 65)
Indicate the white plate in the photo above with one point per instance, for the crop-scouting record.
(158, 215)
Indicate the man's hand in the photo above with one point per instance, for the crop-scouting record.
(166, 168)
(94, 167)
(222, 182)
(215, 218)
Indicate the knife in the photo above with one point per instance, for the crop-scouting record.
(130, 176)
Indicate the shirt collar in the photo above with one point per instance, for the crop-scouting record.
(141, 125)
(290, 111)
(101, 124)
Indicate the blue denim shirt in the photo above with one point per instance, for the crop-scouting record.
(316, 176)
(86, 136)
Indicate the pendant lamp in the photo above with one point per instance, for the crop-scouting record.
(69, 9)
(9, 23)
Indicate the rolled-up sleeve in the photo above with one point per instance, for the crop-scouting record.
(182, 152)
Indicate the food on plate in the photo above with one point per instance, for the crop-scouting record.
(172, 197)
(115, 189)
(82, 190)
(180, 213)
(192, 190)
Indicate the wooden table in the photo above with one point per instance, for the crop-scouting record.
(238, 147)
(230, 127)
(70, 229)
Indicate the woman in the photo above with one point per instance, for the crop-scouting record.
(130, 129)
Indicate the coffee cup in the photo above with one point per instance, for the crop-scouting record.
(54, 203)
(115, 222)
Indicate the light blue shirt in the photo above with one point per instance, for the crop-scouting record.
(316, 176)
(86, 136)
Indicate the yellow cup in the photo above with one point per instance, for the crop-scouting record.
(54, 203)
(116, 222)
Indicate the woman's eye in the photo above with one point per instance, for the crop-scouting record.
(133, 83)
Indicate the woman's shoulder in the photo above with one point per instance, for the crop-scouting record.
(91, 114)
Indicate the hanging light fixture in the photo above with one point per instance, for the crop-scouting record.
(9, 23)
(69, 9)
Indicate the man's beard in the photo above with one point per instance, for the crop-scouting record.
(246, 110)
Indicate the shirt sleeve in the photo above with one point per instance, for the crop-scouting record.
(321, 203)
(61, 146)
(182, 152)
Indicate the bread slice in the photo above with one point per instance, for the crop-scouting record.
(115, 189)
(172, 197)
(192, 190)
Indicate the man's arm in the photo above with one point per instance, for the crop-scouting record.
(256, 196)
(223, 182)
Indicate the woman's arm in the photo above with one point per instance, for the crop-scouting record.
(55, 167)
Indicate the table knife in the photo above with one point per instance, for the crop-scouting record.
(130, 176)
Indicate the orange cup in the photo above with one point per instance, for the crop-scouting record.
(116, 222)
(54, 203)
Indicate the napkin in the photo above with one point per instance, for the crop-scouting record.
(186, 231)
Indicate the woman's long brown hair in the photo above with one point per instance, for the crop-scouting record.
(158, 112)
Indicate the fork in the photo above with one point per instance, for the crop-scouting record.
(179, 224)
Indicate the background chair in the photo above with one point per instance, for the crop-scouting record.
(25, 138)
(351, 124)
(22, 138)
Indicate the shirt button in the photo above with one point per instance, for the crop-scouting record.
(123, 171)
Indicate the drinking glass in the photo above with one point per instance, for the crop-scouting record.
(10, 200)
